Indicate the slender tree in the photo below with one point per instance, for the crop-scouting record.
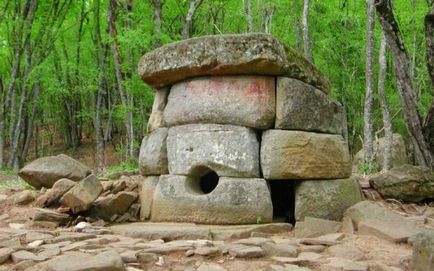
(405, 83)
(194, 5)
(428, 126)
(306, 38)
(368, 145)
(249, 16)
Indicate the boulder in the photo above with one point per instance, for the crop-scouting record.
(398, 158)
(369, 218)
(45, 171)
(300, 106)
(153, 153)
(156, 118)
(423, 250)
(230, 151)
(256, 53)
(327, 199)
(233, 201)
(104, 261)
(211, 100)
(304, 155)
(55, 193)
(407, 183)
(40, 214)
(113, 204)
(146, 195)
(82, 195)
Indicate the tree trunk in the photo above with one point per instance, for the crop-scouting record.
(249, 16)
(387, 121)
(428, 127)
(405, 85)
(157, 4)
(368, 145)
(306, 38)
(194, 4)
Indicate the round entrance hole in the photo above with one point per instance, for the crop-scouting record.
(208, 182)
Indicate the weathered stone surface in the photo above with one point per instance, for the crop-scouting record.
(282, 250)
(104, 261)
(398, 157)
(407, 183)
(423, 250)
(156, 119)
(371, 219)
(83, 194)
(346, 251)
(40, 214)
(233, 201)
(304, 155)
(211, 100)
(153, 153)
(45, 171)
(227, 55)
(207, 251)
(300, 106)
(24, 197)
(231, 151)
(327, 199)
(344, 264)
(314, 227)
(146, 195)
(5, 254)
(106, 207)
(243, 251)
(55, 193)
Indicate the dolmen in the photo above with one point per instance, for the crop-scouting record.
(241, 125)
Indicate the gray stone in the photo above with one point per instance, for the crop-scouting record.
(5, 254)
(282, 250)
(45, 171)
(211, 100)
(55, 193)
(344, 264)
(146, 195)
(423, 250)
(327, 199)
(104, 261)
(243, 251)
(407, 183)
(24, 197)
(233, 201)
(300, 106)
(153, 153)
(230, 151)
(207, 251)
(302, 258)
(40, 214)
(314, 227)
(398, 157)
(371, 219)
(254, 241)
(304, 155)
(83, 194)
(156, 118)
(346, 251)
(146, 257)
(23, 255)
(106, 207)
(256, 53)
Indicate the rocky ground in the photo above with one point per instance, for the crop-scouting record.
(373, 236)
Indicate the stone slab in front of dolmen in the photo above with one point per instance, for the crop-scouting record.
(242, 129)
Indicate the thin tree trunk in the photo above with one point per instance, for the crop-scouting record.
(405, 85)
(387, 121)
(157, 4)
(249, 16)
(194, 4)
(111, 17)
(368, 145)
(306, 38)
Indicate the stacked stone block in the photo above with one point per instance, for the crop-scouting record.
(232, 112)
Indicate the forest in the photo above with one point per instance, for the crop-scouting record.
(68, 68)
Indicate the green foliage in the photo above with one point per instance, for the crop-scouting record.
(368, 168)
(258, 220)
(130, 165)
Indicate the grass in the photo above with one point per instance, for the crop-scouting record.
(9, 179)
(129, 165)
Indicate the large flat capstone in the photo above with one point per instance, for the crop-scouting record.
(230, 151)
(238, 100)
(300, 106)
(256, 53)
(304, 155)
(233, 201)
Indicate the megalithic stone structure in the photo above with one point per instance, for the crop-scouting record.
(234, 117)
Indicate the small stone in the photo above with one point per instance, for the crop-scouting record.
(243, 251)
(104, 261)
(254, 241)
(82, 225)
(129, 256)
(281, 250)
(24, 197)
(145, 257)
(35, 244)
(303, 257)
(189, 253)
(23, 255)
(207, 251)
(40, 214)
(83, 194)
(160, 261)
(53, 195)
(346, 251)
(5, 254)
(106, 207)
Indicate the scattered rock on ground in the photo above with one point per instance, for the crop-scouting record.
(45, 171)
(423, 250)
(83, 194)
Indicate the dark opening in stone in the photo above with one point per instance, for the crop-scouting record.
(209, 182)
(283, 199)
